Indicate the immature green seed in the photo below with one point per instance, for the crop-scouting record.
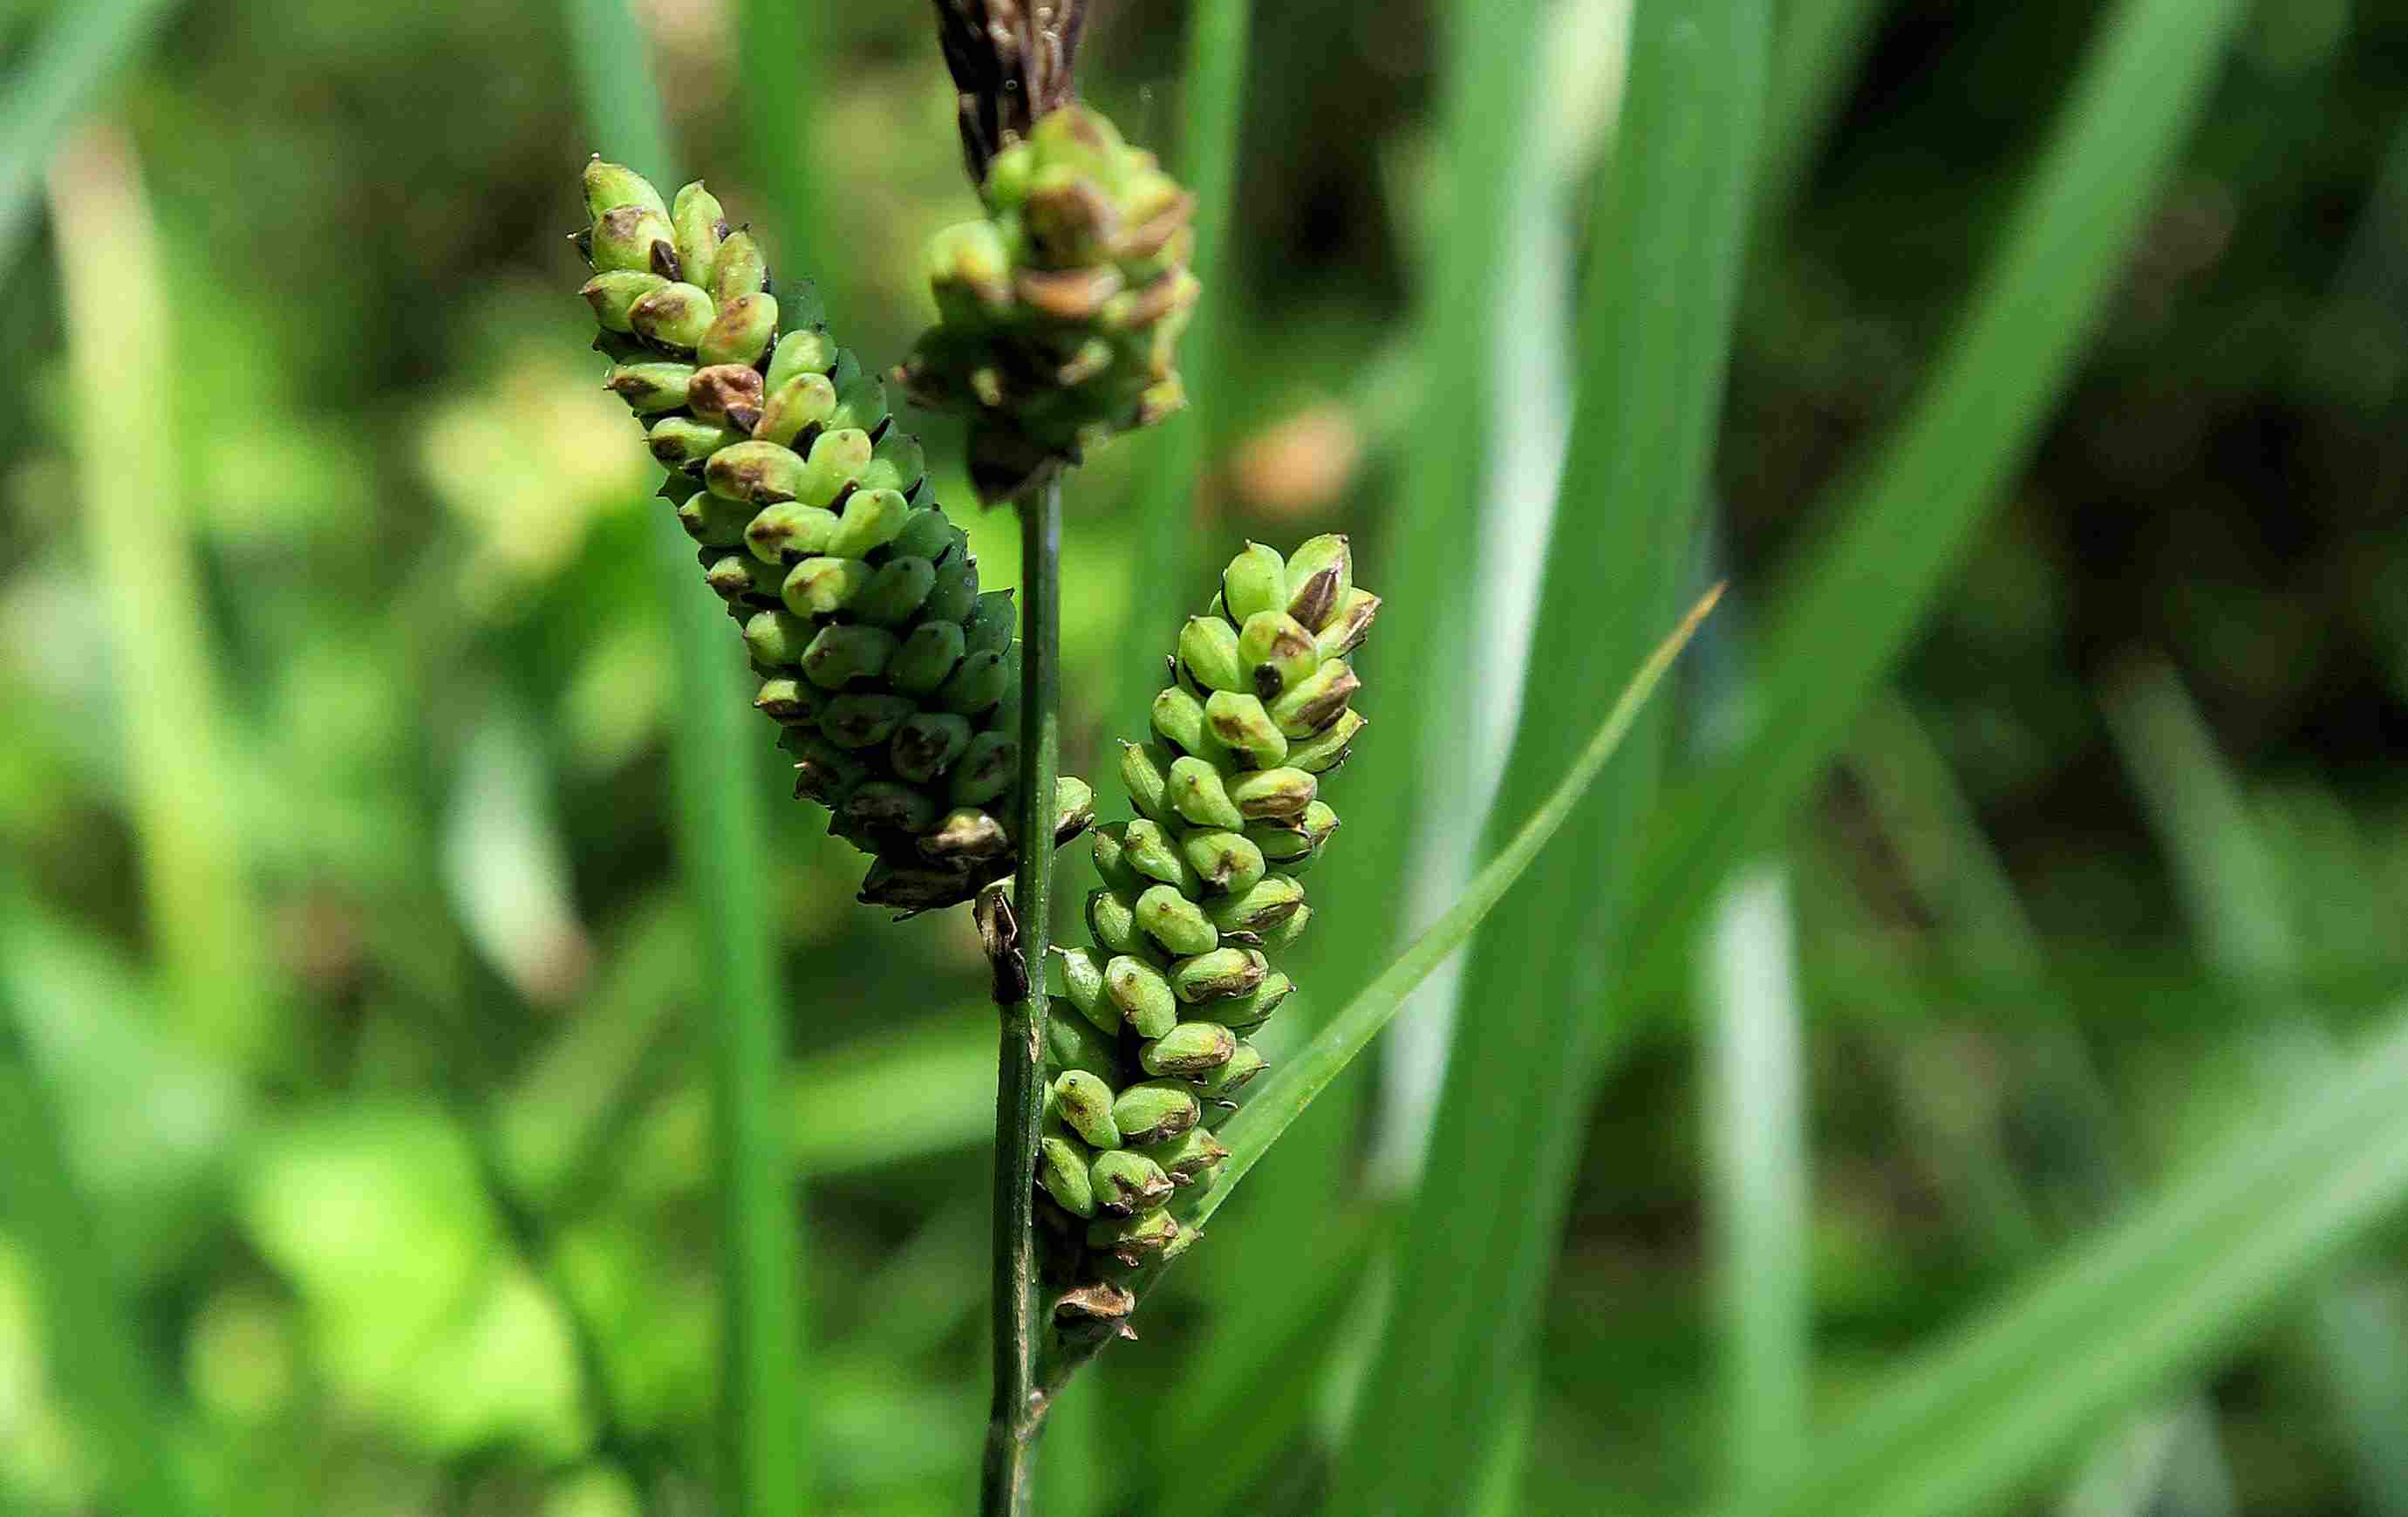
(926, 533)
(1084, 1104)
(1146, 1236)
(700, 224)
(1126, 1183)
(986, 769)
(614, 295)
(1082, 974)
(992, 621)
(1074, 807)
(1111, 862)
(976, 686)
(737, 575)
(840, 654)
(1240, 724)
(1190, 1156)
(927, 658)
(1244, 1013)
(803, 402)
(1155, 1111)
(1195, 791)
(777, 637)
(1255, 582)
(1179, 717)
(739, 269)
(1277, 651)
(1345, 629)
(821, 587)
(1317, 701)
(1286, 932)
(725, 393)
(895, 592)
(857, 720)
(679, 441)
(609, 186)
(1319, 575)
(887, 803)
(635, 238)
(823, 772)
(1142, 995)
(811, 351)
(1272, 900)
(957, 591)
(1174, 921)
(926, 744)
(740, 331)
(898, 462)
(1218, 976)
(650, 387)
(1143, 777)
(675, 316)
(1188, 1051)
(755, 471)
(1242, 1066)
(786, 700)
(1272, 792)
(1225, 862)
(872, 519)
(1330, 747)
(1062, 1169)
(1113, 921)
(834, 458)
(1208, 650)
(1072, 1041)
(964, 835)
(1152, 852)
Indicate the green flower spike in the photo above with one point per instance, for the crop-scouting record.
(892, 674)
(1200, 895)
(1060, 314)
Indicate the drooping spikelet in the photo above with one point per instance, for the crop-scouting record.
(1200, 894)
(1059, 314)
(894, 677)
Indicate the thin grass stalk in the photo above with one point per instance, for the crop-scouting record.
(138, 537)
(1671, 215)
(1018, 1413)
(718, 815)
(1169, 545)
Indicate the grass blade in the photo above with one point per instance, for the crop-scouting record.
(146, 578)
(783, 78)
(1671, 215)
(1757, 1187)
(1967, 1428)
(719, 818)
(94, 1335)
(1851, 607)
(1285, 1092)
(83, 44)
(1213, 92)
(1817, 45)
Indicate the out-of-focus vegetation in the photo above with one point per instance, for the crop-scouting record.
(354, 1149)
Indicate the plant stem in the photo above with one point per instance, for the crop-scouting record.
(1019, 1410)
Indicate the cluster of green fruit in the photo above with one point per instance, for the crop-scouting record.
(1200, 890)
(892, 677)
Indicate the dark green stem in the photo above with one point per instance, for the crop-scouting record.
(1019, 1410)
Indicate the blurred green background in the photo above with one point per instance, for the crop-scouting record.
(354, 1112)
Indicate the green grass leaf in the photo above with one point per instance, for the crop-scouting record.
(2124, 1316)
(1666, 241)
(720, 817)
(1894, 534)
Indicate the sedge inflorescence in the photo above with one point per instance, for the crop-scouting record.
(1200, 891)
(892, 673)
